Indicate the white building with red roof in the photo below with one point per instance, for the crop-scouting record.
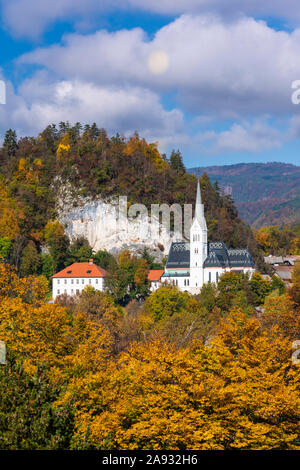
(154, 277)
(73, 279)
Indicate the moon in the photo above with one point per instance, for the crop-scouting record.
(158, 62)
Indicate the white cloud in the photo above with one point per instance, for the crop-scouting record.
(30, 17)
(40, 102)
(216, 69)
(230, 69)
(256, 137)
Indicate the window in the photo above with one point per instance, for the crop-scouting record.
(77, 281)
(77, 291)
(217, 277)
(96, 281)
(209, 277)
(72, 291)
(58, 281)
(65, 291)
(58, 291)
(82, 281)
(72, 281)
(185, 282)
(188, 282)
(90, 281)
(65, 281)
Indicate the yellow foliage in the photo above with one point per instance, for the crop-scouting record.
(242, 392)
(9, 215)
(135, 144)
(63, 147)
(44, 332)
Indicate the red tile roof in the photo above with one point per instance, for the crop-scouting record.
(155, 274)
(82, 270)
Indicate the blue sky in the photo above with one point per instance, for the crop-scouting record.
(208, 77)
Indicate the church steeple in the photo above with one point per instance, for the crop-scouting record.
(198, 242)
(198, 202)
(199, 209)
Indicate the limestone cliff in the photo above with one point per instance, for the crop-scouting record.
(106, 225)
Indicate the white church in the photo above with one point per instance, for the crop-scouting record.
(192, 264)
(189, 264)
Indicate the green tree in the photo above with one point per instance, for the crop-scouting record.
(277, 284)
(104, 259)
(5, 247)
(166, 301)
(234, 290)
(48, 266)
(260, 288)
(28, 418)
(176, 162)
(129, 278)
(57, 242)
(10, 143)
(30, 261)
(79, 251)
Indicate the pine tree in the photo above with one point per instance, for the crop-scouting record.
(176, 162)
(10, 142)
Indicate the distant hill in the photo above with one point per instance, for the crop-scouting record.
(264, 193)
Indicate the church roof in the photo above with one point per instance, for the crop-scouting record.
(218, 256)
(179, 255)
(240, 257)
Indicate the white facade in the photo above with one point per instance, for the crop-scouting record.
(73, 286)
(154, 285)
(198, 244)
(203, 266)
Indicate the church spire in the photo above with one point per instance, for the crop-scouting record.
(198, 207)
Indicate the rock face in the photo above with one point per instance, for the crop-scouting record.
(107, 225)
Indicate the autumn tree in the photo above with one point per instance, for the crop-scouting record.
(30, 261)
(58, 243)
(29, 418)
(294, 290)
(241, 392)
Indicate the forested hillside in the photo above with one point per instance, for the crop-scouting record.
(264, 193)
(95, 165)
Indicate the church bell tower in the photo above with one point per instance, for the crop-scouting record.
(198, 243)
